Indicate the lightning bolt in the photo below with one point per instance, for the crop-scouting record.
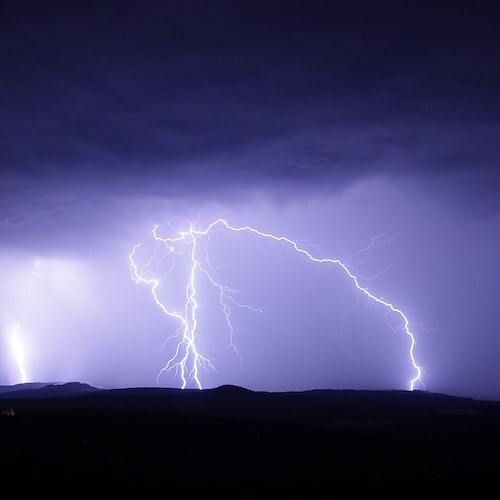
(188, 359)
(18, 353)
(16, 344)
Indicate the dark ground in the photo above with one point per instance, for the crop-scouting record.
(72, 441)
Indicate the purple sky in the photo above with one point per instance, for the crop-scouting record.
(330, 123)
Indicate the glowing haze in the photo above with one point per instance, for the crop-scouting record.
(351, 147)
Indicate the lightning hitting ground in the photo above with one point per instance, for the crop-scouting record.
(18, 353)
(188, 359)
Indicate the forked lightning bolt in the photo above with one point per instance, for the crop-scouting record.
(188, 359)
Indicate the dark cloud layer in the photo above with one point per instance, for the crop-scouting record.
(242, 92)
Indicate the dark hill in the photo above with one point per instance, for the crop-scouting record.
(74, 440)
(4, 389)
(45, 390)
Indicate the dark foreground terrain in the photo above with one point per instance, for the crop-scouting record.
(75, 441)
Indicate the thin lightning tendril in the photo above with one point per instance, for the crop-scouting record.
(187, 359)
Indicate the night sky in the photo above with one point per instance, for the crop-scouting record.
(366, 131)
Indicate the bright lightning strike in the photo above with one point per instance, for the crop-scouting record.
(18, 353)
(188, 359)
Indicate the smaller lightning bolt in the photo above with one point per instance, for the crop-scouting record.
(18, 353)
